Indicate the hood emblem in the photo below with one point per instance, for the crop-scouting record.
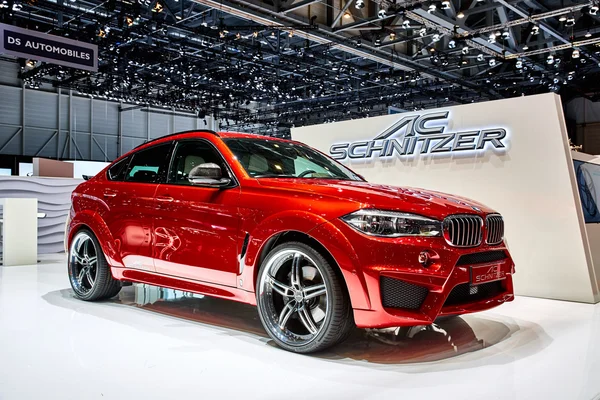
(476, 208)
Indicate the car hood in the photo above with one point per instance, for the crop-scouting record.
(370, 195)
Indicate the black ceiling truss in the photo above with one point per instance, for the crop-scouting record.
(267, 65)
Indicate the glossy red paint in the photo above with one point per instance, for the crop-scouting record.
(192, 238)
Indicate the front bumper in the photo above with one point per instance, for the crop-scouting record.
(398, 259)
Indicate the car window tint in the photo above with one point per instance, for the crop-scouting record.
(190, 154)
(149, 165)
(117, 171)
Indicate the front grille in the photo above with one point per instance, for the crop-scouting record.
(399, 294)
(463, 230)
(495, 229)
(467, 293)
(481, 258)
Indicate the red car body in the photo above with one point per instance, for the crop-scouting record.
(212, 241)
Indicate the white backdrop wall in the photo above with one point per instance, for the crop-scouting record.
(531, 184)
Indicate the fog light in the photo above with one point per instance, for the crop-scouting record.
(424, 258)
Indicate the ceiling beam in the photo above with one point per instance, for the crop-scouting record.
(299, 5)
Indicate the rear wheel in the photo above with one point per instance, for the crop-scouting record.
(89, 273)
(302, 302)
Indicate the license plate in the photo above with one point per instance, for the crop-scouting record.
(486, 273)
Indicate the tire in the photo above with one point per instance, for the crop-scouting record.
(89, 272)
(302, 302)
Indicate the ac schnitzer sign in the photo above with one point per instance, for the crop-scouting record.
(421, 134)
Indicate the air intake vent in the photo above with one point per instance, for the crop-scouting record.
(495, 229)
(467, 293)
(482, 258)
(463, 230)
(399, 294)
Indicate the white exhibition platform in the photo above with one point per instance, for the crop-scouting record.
(145, 346)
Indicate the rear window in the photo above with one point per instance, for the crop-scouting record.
(117, 171)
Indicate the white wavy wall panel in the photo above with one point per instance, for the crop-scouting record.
(54, 199)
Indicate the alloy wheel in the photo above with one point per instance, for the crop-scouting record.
(83, 259)
(294, 297)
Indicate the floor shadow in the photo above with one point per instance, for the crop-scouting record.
(447, 339)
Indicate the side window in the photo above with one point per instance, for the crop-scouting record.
(149, 165)
(189, 154)
(117, 171)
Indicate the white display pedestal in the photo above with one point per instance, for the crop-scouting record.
(19, 231)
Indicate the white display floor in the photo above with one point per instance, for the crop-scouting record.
(151, 343)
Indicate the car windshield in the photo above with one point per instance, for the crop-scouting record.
(264, 158)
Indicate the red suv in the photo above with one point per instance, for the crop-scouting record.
(278, 224)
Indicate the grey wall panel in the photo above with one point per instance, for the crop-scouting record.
(9, 142)
(40, 142)
(134, 123)
(80, 114)
(106, 117)
(184, 124)
(39, 107)
(10, 105)
(160, 125)
(81, 146)
(9, 72)
(64, 112)
(54, 199)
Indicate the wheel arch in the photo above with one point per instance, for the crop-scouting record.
(93, 222)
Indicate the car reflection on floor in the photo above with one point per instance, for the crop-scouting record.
(447, 338)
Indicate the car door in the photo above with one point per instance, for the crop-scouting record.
(130, 204)
(196, 229)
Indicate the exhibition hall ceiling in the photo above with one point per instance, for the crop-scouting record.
(268, 65)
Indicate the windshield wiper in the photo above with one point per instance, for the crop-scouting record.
(275, 176)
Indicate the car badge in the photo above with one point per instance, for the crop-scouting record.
(476, 208)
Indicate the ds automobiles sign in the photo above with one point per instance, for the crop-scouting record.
(423, 134)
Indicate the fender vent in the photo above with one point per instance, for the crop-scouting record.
(399, 294)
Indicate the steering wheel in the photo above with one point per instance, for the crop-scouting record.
(308, 171)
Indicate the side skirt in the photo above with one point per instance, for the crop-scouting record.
(186, 285)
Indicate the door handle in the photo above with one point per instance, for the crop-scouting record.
(109, 193)
(164, 198)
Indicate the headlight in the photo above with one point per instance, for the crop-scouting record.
(392, 223)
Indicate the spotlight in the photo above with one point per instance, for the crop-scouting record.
(506, 35)
(255, 34)
(406, 24)
(465, 50)
(347, 15)
(593, 9)
(535, 30)
(431, 9)
(588, 34)
(158, 7)
(392, 36)
(575, 53)
(452, 44)
(492, 38)
(562, 18)
(550, 59)
(359, 4)
(460, 15)
(381, 14)
(480, 57)
(30, 63)
(492, 62)
(519, 64)
(422, 32)
(291, 34)
(436, 37)
(525, 47)
(570, 21)
(445, 5)
(377, 42)
(129, 21)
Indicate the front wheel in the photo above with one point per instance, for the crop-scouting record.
(89, 273)
(302, 302)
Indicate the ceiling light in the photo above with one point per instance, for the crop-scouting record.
(382, 13)
(158, 7)
(359, 4)
(452, 44)
(392, 36)
(492, 62)
(492, 38)
(291, 34)
(593, 9)
(535, 30)
(347, 15)
(422, 32)
(519, 64)
(377, 42)
(436, 37)
(550, 59)
(588, 34)
(255, 34)
(406, 24)
(505, 35)
(431, 9)
(480, 57)
(570, 21)
(445, 5)
(465, 50)
(525, 48)
(575, 53)
(129, 21)
(562, 18)
(460, 15)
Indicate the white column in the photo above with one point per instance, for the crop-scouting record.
(19, 231)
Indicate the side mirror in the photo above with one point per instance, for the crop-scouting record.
(208, 174)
